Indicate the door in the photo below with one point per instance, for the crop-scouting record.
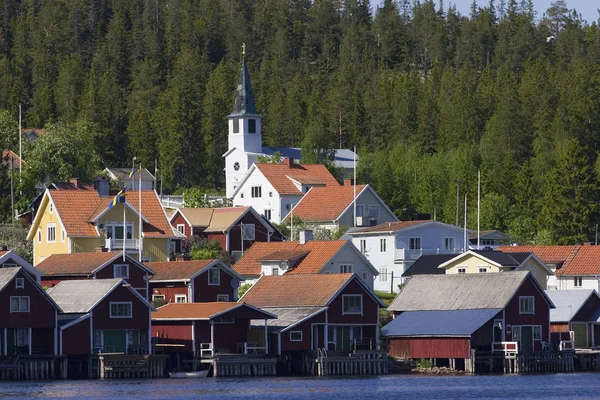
(115, 341)
(526, 339)
(580, 331)
(498, 326)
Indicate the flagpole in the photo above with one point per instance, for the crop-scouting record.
(20, 146)
(478, 206)
(124, 229)
(465, 228)
(140, 215)
(354, 184)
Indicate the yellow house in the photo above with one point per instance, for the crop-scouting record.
(79, 220)
(489, 261)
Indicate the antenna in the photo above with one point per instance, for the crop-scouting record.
(354, 184)
(20, 145)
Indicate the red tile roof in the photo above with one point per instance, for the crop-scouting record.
(295, 290)
(319, 253)
(585, 261)
(3, 253)
(177, 270)
(391, 226)
(310, 174)
(76, 263)
(178, 311)
(548, 254)
(325, 203)
(12, 160)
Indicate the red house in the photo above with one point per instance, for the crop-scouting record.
(447, 316)
(28, 315)
(10, 259)
(102, 316)
(235, 228)
(336, 312)
(99, 265)
(197, 281)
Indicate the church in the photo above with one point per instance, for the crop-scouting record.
(245, 139)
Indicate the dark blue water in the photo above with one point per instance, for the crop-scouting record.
(560, 386)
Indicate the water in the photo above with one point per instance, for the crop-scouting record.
(559, 386)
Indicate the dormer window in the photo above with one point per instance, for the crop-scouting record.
(251, 126)
(236, 126)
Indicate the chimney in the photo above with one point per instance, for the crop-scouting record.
(348, 182)
(102, 187)
(74, 181)
(4, 248)
(305, 236)
(289, 161)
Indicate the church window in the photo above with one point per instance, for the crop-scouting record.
(236, 126)
(251, 126)
(236, 166)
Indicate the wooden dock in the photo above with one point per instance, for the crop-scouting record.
(30, 368)
(122, 366)
(360, 362)
(522, 363)
(244, 365)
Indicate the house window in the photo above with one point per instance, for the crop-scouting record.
(295, 336)
(214, 276)
(482, 270)
(382, 245)
(236, 167)
(364, 276)
(39, 236)
(462, 270)
(249, 231)
(256, 191)
(224, 320)
(267, 214)
(360, 210)
(251, 126)
(180, 298)
(51, 207)
(363, 245)
(374, 212)
(51, 233)
(526, 305)
(537, 332)
(275, 271)
(222, 297)
(121, 271)
(236, 126)
(121, 309)
(181, 228)
(346, 268)
(383, 274)
(160, 297)
(578, 281)
(352, 304)
(270, 194)
(516, 333)
(414, 243)
(448, 243)
(22, 337)
(62, 235)
(19, 283)
(19, 304)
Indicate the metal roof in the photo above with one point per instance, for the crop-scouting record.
(7, 274)
(243, 103)
(460, 292)
(439, 323)
(286, 316)
(568, 303)
(80, 296)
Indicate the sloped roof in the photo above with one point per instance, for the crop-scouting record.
(201, 311)
(439, 323)
(6, 275)
(177, 270)
(428, 264)
(197, 217)
(122, 174)
(284, 255)
(80, 296)
(491, 234)
(243, 103)
(568, 303)
(280, 176)
(3, 253)
(319, 253)
(82, 263)
(12, 160)
(299, 290)
(213, 219)
(325, 203)
(341, 157)
(391, 226)
(586, 261)
(286, 317)
(498, 257)
(548, 254)
(459, 292)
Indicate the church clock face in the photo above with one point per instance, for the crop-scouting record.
(236, 166)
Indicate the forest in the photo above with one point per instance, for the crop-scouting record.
(429, 97)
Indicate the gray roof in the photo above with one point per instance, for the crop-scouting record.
(123, 174)
(286, 316)
(243, 103)
(80, 296)
(428, 264)
(341, 158)
(568, 303)
(6, 275)
(504, 259)
(439, 323)
(460, 291)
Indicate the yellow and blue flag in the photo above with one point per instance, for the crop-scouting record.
(134, 170)
(119, 198)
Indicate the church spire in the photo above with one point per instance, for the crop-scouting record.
(243, 104)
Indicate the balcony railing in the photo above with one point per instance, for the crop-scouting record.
(413, 254)
(117, 244)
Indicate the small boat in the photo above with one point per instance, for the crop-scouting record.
(180, 375)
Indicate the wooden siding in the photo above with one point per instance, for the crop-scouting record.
(306, 328)
(179, 220)
(45, 249)
(137, 275)
(42, 340)
(227, 336)
(86, 245)
(559, 327)
(370, 312)
(429, 347)
(140, 312)
(48, 282)
(76, 339)
(156, 249)
(205, 293)
(261, 234)
(169, 292)
(173, 332)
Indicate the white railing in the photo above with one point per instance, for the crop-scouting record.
(566, 345)
(130, 244)
(505, 347)
(413, 254)
(172, 201)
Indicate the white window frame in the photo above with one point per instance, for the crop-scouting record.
(363, 245)
(22, 337)
(412, 241)
(346, 268)
(121, 303)
(482, 270)
(218, 281)
(19, 283)
(20, 308)
(383, 274)
(256, 192)
(295, 333)
(523, 311)
(344, 312)
(158, 297)
(578, 281)
(222, 298)
(268, 214)
(51, 227)
(382, 245)
(181, 228)
(250, 233)
(235, 128)
(446, 244)
(360, 210)
(273, 270)
(179, 297)
(120, 267)
(461, 270)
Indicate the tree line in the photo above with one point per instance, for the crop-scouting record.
(429, 97)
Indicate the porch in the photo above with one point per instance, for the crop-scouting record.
(118, 244)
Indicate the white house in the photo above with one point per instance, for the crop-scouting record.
(392, 247)
(273, 189)
(121, 176)
(245, 139)
(331, 207)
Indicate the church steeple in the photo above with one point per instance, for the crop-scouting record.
(243, 104)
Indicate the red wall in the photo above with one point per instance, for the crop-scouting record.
(205, 293)
(429, 347)
(370, 307)
(173, 332)
(306, 328)
(136, 275)
(180, 220)
(140, 317)
(169, 292)
(54, 280)
(76, 339)
(260, 234)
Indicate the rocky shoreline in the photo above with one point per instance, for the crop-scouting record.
(437, 371)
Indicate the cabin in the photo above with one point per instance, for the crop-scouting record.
(28, 319)
(577, 311)
(10, 259)
(336, 312)
(195, 281)
(102, 316)
(98, 265)
(445, 317)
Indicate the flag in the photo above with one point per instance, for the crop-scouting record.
(119, 198)
(134, 170)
